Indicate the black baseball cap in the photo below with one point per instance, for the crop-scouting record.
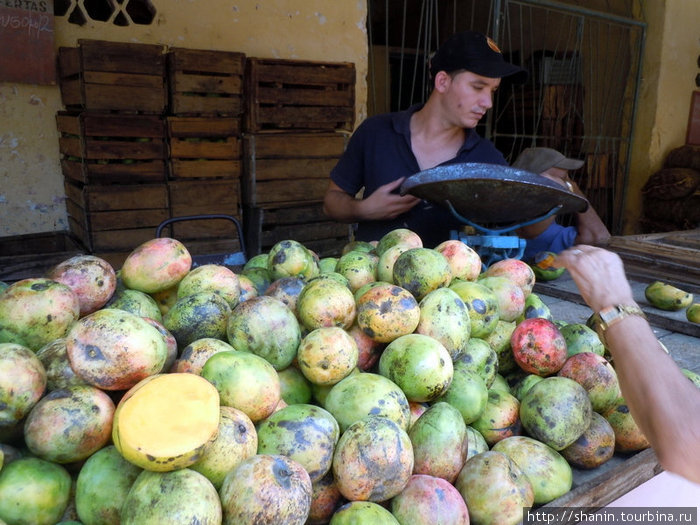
(477, 53)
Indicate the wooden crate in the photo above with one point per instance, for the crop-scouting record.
(115, 217)
(32, 255)
(205, 83)
(103, 148)
(296, 94)
(204, 147)
(113, 76)
(201, 198)
(266, 226)
(288, 168)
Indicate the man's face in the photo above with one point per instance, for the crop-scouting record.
(468, 96)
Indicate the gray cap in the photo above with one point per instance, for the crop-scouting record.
(538, 160)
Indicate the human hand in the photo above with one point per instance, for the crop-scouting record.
(385, 204)
(599, 275)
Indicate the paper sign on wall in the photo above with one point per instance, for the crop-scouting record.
(27, 52)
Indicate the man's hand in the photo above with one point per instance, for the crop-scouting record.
(599, 275)
(384, 203)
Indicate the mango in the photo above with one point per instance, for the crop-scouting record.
(667, 297)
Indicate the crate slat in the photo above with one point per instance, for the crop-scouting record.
(194, 148)
(184, 127)
(153, 171)
(101, 55)
(204, 169)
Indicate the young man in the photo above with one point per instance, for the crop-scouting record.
(385, 149)
(548, 235)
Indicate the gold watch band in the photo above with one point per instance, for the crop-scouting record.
(611, 315)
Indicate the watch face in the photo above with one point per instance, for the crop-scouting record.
(608, 314)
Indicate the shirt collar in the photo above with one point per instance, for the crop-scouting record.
(402, 125)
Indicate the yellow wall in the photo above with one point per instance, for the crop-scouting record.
(31, 182)
(669, 69)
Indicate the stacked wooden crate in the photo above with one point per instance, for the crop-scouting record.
(298, 115)
(113, 143)
(205, 92)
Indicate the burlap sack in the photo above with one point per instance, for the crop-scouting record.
(671, 183)
(684, 157)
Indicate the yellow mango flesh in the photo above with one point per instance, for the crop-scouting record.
(166, 421)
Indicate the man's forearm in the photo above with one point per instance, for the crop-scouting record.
(665, 404)
(342, 207)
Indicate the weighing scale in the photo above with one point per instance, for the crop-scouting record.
(494, 200)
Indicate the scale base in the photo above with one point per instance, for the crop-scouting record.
(493, 248)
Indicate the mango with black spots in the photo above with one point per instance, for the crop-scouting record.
(556, 411)
(667, 297)
(373, 460)
(266, 488)
(594, 447)
(421, 270)
(440, 442)
(180, 496)
(305, 433)
(546, 469)
(482, 304)
(419, 364)
(367, 394)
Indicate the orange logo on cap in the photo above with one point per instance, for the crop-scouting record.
(492, 45)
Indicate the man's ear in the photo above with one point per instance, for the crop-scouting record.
(442, 81)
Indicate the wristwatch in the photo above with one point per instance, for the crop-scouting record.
(611, 315)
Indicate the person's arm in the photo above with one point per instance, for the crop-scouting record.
(591, 229)
(664, 403)
(382, 204)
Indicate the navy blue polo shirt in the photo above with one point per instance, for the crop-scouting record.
(379, 152)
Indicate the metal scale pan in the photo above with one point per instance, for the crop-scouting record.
(491, 194)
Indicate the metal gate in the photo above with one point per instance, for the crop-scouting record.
(581, 97)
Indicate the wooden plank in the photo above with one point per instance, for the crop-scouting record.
(148, 149)
(293, 214)
(196, 85)
(101, 55)
(125, 197)
(183, 127)
(295, 145)
(121, 219)
(121, 240)
(204, 169)
(202, 198)
(608, 486)
(121, 79)
(309, 232)
(182, 104)
(291, 169)
(114, 173)
(304, 97)
(114, 125)
(206, 61)
(121, 98)
(219, 148)
(298, 190)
